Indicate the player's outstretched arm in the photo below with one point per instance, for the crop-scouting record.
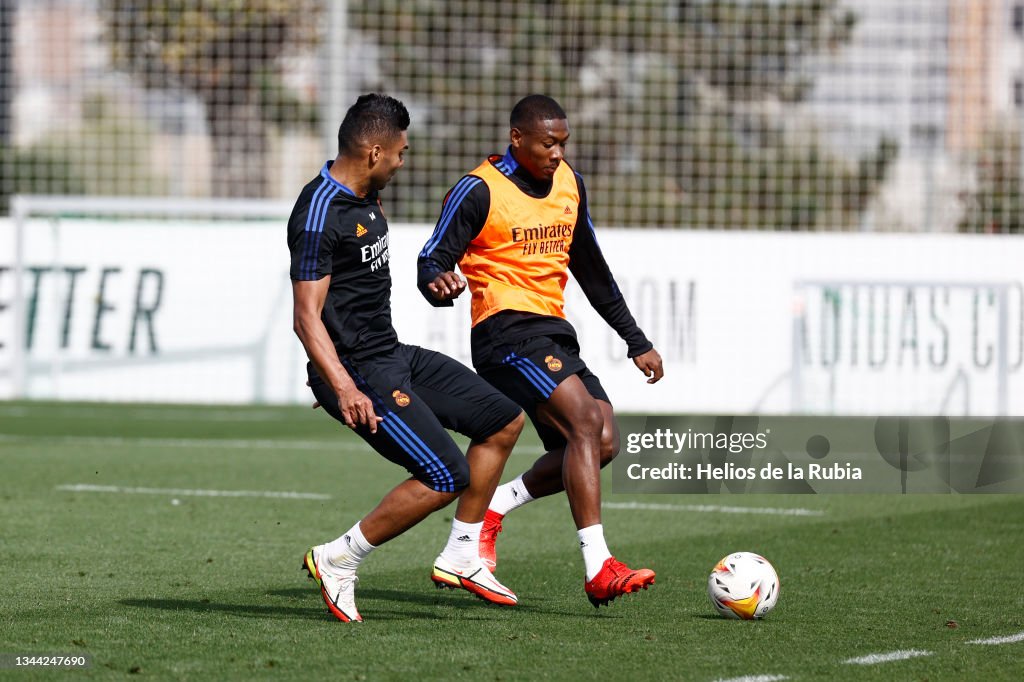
(308, 297)
(650, 364)
(588, 265)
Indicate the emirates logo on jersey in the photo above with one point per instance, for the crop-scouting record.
(401, 399)
(360, 230)
(543, 239)
(553, 363)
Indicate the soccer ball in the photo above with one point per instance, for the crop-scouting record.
(743, 585)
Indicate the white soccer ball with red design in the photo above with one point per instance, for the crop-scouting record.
(744, 585)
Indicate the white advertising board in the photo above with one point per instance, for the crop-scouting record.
(187, 311)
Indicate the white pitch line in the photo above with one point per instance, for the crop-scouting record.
(755, 678)
(1008, 639)
(874, 659)
(149, 414)
(185, 492)
(227, 443)
(714, 509)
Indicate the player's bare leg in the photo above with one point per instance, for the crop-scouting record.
(486, 463)
(459, 565)
(578, 417)
(545, 476)
(333, 565)
(581, 421)
(407, 504)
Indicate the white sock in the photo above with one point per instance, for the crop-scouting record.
(509, 496)
(348, 551)
(595, 549)
(463, 546)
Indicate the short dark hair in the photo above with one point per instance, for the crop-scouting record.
(373, 118)
(534, 108)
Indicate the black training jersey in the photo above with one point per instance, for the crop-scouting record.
(333, 232)
(465, 210)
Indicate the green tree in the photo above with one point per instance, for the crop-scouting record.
(684, 112)
(996, 205)
(38, 170)
(227, 53)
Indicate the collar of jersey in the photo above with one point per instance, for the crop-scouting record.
(507, 164)
(325, 172)
(508, 167)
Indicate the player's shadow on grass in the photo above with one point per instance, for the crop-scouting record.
(715, 617)
(470, 610)
(461, 600)
(426, 598)
(313, 611)
(419, 605)
(210, 607)
(471, 606)
(432, 598)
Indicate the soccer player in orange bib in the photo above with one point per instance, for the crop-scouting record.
(516, 226)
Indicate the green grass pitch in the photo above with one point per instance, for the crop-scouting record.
(178, 586)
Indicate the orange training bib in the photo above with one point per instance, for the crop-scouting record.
(520, 259)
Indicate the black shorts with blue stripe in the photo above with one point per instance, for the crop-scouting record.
(419, 393)
(531, 370)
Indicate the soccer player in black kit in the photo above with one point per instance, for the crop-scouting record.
(398, 398)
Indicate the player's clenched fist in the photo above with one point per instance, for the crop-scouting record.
(447, 286)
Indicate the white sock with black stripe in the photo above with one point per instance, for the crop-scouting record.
(347, 552)
(509, 496)
(463, 546)
(594, 548)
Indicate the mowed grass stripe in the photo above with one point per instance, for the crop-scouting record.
(344, 444)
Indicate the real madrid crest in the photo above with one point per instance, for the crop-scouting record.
(401, 399)
(553, 363)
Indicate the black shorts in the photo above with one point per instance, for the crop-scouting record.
(533, 369)
(420, 393)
